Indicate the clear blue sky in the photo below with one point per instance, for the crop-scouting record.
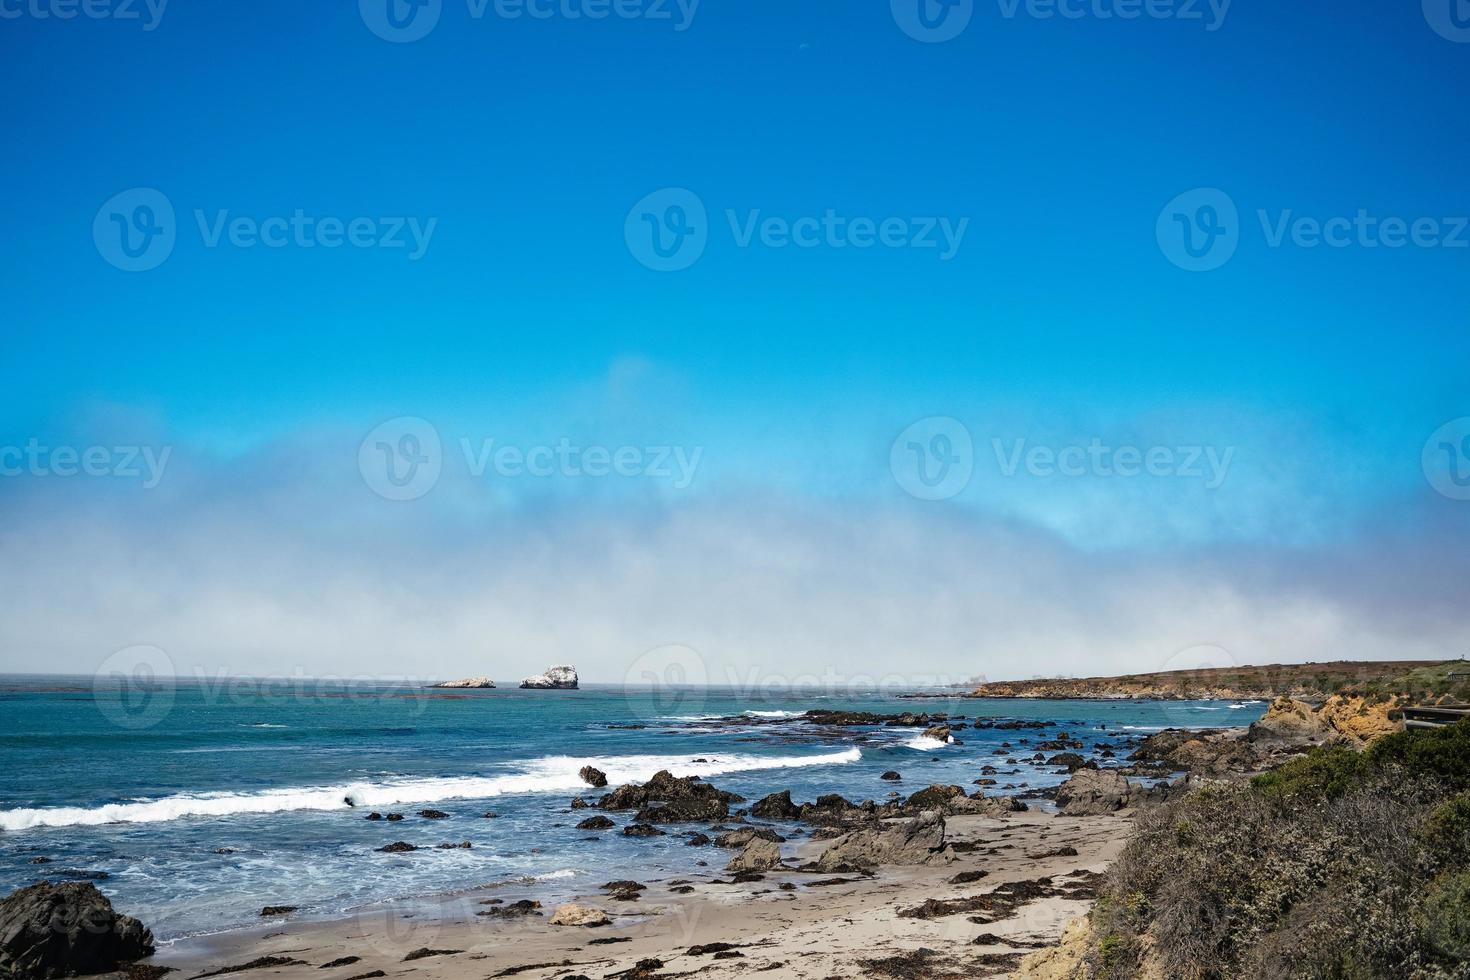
(527, 319)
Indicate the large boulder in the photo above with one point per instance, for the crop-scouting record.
(917, 841)
(741, 836)
(593, 776)
(951, 800)
(562, 678)
(759, 854)
(572, 914)
(777, 806)
(70, 929)
(667, 798)
(940, 733)
(1093, 791)
(833, 810)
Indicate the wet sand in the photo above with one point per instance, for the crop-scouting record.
(822, 926)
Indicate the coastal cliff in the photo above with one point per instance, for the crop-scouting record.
(1308, 681)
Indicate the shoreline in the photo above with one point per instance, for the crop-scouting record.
(789, 923)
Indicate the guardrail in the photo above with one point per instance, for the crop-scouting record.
(1427, 717)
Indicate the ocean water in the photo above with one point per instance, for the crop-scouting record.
(194, 804)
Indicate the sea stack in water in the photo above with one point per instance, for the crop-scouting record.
(555, 679)
(479, 683)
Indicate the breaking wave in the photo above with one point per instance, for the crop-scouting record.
(552, 774)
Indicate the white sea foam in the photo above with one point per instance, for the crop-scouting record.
(926, 744)
(774, 714)
(552, 774)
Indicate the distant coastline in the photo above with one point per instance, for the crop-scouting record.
(1426, 679)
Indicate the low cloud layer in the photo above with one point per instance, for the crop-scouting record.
(282, 563)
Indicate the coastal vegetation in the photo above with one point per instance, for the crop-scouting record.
(1339, 865)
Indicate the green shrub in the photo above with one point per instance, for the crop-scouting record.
(1446, 833)
(1447, 918)
(1442, 754)
(1321, 774)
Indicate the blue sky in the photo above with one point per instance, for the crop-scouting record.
(1058, 320)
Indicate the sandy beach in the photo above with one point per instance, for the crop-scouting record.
(790, 924)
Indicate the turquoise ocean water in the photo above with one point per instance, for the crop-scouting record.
(193, 804)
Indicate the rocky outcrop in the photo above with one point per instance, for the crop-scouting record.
(744, 835)
(834, 810)
(1092, 792)
(593, 777)
(50, 930)
(1294, 723)
(562, 678)
(671, 799)
(952, 800)
(777, 806)
(917, 841)
(940, 733)
(572, 914)
(758, 854)
(467, 683)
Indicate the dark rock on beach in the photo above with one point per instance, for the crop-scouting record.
(672, 799)
(891, 776)
(278, 910)
(917, 841)
(433, 814)
(744, 835)
(777, 806)
(49, 930)
(593, 777)
(340, 961)
(514, 910)
(398, 847)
